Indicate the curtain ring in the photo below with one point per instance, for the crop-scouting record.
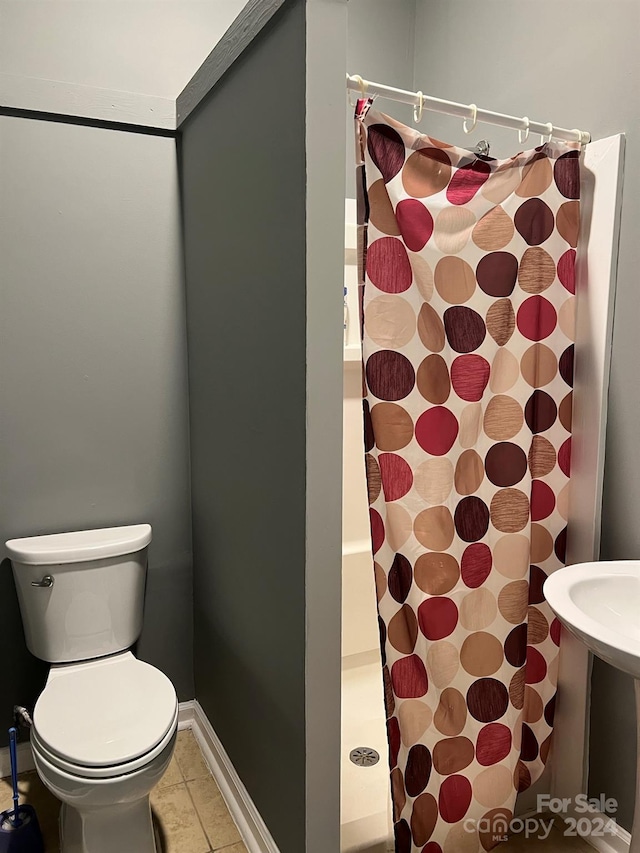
(524, 138)
(363, 88)
(549, 134)
(583, 137)
(417, 116)
(474, 111)
(352, 103)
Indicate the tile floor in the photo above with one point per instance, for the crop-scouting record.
(191, 816)
(189, 812)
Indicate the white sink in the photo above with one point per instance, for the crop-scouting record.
(600, 604)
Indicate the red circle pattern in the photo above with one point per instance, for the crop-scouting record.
(436, 430)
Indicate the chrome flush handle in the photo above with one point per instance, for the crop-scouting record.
(47, 581)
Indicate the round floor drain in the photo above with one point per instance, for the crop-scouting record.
(364, 756)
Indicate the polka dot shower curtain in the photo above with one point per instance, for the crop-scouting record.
(468, 282)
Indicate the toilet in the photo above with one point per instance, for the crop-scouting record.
(104, 727)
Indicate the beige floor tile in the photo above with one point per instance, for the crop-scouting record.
(172, 776)
(33, 792)
(191, 819)
(190, 758)
(176, 819)
(212, 811)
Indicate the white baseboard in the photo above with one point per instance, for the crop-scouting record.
(619, 842)
(251, 826)
(186, 714)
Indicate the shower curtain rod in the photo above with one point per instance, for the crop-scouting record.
(470, 112)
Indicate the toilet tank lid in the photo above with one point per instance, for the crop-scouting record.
(82, 545)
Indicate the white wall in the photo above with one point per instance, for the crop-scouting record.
(152, 47)
(577, 64)
(380, 48)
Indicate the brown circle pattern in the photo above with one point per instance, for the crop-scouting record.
(426, 172)
(451, 714)
(536, 176)
(469, 472)
(454, 279)
(493, 231)
(487, 700)
(390, 375)
(403, 630)
(374, 481)
(381, 210)
(534, 221)
(436, 574)
(433, 379)
(430, 328)
(566, 176)
(471, 519)
(386, 149)
(465, 328)
(509, 510)
(496, 273)
(501, 321)
(418, 770)
(537, 270)
(400, 578)
(469, 284)
(392, 426)
(506, 464)
(503, 418)
(451, 755)
(539, 365)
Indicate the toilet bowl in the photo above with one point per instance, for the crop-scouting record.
(109, 814)
(104, 727)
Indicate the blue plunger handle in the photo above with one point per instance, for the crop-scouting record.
(14, 775)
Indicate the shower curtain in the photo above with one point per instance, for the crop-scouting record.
(467, 274)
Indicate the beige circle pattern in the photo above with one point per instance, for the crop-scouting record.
(455, 280)
(443, 660)
(391, 321)
(494, 230)
(466, 326)
(433, 479)
(453, 228)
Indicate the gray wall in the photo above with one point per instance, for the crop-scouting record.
(577, 64)
(94, 419)
(380, 47)
(243, 174)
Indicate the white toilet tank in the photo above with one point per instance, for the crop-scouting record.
(81, 594)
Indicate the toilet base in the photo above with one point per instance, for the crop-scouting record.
(125, 827)
(107, 815)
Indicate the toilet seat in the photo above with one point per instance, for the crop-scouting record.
(102, 773)
(104, 718)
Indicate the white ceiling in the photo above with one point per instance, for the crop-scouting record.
(150, 47)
